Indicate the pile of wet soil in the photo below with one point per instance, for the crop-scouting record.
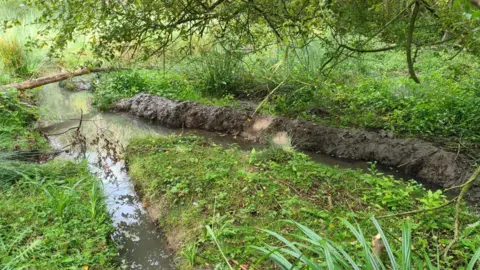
(414, 157)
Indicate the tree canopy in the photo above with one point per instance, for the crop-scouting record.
(148, 27)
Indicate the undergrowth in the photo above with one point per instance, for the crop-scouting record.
(53, 216)
(195, 184)
(368, 91)
(118, 85)
(17, 117)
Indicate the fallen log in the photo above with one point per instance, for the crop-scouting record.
(414, 157)
(56, 78)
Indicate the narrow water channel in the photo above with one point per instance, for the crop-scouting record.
(141, 244)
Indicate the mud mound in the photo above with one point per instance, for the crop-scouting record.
(414, 157)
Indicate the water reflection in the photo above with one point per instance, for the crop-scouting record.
(141, 245)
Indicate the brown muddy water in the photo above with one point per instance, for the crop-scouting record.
(141, 245)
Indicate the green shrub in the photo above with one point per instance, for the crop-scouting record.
(126, 84)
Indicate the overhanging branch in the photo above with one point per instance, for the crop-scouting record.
(369, 51)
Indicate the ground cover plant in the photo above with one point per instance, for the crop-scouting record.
(194, 184)
(410, 67)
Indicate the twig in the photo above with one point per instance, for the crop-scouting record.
(464, 190)
(456, 54)
(360, 50)
(269, 94)
(72, 128)
(290, 186)
(81, 120)
(419, 210)
(61, 133)
(413, 160)
(459, 148)
(368, 40)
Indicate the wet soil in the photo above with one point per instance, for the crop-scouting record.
(414, 157)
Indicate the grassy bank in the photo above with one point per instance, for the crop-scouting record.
(17, 118)
(368, 91)
(190, 183)
(52, 215)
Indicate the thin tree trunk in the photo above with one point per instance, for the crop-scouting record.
(411, 28)
(446, 36)
(55, 78)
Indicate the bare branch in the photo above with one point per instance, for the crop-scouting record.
(465, 188)
(369, 51)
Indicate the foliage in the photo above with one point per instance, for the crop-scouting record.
(315, 252)
(46, 220)
(16, 116)
(16, 57)
(369, 92)
(197, 184)
(218, 74)
(122, 84)
(149, 28)
(52, 216)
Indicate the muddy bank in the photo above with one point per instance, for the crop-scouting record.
(414, 157)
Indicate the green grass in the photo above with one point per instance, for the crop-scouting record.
(53, 216)
(196, 184)
(24, 54)
(16, 57)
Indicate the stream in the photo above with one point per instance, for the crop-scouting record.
(141, 244)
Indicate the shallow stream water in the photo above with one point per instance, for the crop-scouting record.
(141, 244)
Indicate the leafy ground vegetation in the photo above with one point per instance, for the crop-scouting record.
(364, 92)
(52, 215)
(195, 184)
(16, 122)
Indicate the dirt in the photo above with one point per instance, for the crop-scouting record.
(420, 159)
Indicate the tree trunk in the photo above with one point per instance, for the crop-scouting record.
(411, 28)
(55, 78)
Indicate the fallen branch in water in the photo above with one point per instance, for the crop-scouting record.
(56, 78)
(77, 128)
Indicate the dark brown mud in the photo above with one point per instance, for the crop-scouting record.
(420, 159)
